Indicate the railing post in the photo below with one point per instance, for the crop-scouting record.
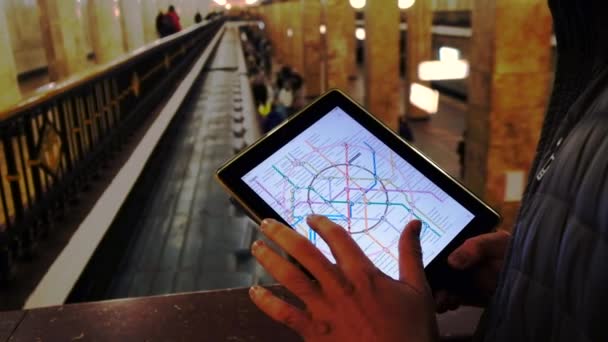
(13, 173)
(31, 150)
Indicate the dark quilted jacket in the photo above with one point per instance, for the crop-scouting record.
(554, 286)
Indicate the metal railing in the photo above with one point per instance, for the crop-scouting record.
(52, 144)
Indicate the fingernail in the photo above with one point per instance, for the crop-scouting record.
(255, 247)
(312, 218)
(458, 259)
(266, 224)
(254, 291)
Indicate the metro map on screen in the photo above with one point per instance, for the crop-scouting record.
(338, 169)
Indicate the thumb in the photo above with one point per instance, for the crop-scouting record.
(411, 269)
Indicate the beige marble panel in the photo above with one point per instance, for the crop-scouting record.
(106, 30)
(482, 42)
(339, 32)
(63, 36)
(520, 91)
(287, 21)
(203, 6)
(382, 61)
(480, 83)
(8, 76)
(24, 30)
(163, 5)
(132, 24)
(350, 25)
(419, 49)
(275, 28)
(521, 43)
(149, 11)
(476, 167)
(477, 145)
(451, 5)
(186, 12)
(282, 38)
(311, 21)
(297, 40)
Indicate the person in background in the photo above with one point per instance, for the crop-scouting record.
(285, 99)
(162, 25)
(283, 75)
(297, 83)
(198, 18)
(461, 150)
(404, 129)
(175, 24)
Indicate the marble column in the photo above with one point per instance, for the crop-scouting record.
(296, 46)
(275, 28)
(283, 21)
(287, 21)
(339, 33)
(106, 30)
(509, 88)
(63, 35)
(311, 21)
(382, 54)
(351, 25)
(10, 93)
(132, 24)
(419, 49)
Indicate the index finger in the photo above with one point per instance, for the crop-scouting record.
(344, 249)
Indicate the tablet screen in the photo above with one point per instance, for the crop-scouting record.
(338, 169)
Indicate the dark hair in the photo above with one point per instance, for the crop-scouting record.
(171, 8)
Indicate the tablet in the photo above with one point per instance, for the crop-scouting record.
(335, 159)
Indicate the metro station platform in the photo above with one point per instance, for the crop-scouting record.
(156, 233)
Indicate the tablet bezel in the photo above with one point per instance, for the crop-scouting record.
(231, 173)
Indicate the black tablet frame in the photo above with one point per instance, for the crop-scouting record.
(231, 173)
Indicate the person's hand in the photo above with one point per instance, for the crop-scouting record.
(481, 259)
(351, 300)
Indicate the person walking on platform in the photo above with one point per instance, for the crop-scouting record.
(198, 18)
(174, 17)
(163, 25)
(546, 282)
